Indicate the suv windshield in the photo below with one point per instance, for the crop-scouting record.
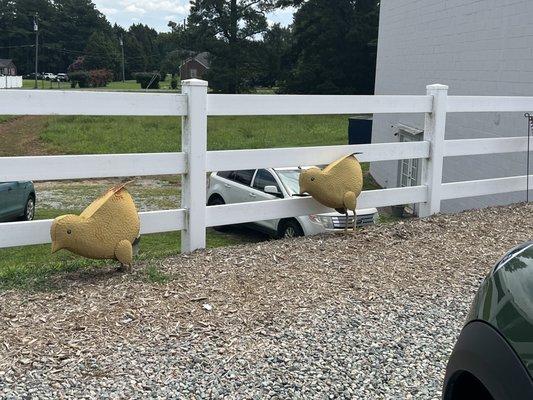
(290, 179)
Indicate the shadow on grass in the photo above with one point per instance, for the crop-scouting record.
(33, 268)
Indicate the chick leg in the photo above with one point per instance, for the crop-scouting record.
(124, 254)
(350, 203)
(346, 225)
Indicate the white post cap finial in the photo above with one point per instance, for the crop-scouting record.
(437, 86)
(193, 82)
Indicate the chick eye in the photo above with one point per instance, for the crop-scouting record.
(69, 231)
(312, 179)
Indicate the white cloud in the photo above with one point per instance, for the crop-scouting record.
(175, 6)
(108, 11)
(156, 13)
(132, 8)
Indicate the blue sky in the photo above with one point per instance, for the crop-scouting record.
(157, 13)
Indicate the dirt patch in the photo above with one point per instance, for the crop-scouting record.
(148, 194)
(20, 136)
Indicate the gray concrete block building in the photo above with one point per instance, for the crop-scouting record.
(476, 47)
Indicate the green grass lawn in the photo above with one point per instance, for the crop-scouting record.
(5, 118)
(42, 84)
(117, 85)
(90, 135)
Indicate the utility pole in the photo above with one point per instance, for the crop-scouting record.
(36, 30)
(123, 67)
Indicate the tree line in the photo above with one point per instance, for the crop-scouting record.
(329, 48)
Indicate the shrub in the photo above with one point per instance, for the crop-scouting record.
(144, 78)
(79, 77)
(174, 83)
(100, 77)
(77, 65)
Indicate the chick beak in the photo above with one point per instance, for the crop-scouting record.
(55, 247)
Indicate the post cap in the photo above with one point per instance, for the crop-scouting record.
(193, 82)
(437, 86)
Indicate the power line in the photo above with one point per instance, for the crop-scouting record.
(83, 53)
(67, 51)
(18, 46)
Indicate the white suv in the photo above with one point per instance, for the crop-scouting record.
(268, 184)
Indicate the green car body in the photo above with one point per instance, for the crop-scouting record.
(505, 301)
(17, 201)
(494, 353)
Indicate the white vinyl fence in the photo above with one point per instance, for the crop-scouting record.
(194, 105)
(10, 82)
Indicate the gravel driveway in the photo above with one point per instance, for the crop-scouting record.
(367, 316)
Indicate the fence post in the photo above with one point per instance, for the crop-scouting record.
(434, 130)
(193, 184)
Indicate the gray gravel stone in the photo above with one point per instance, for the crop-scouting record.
(367, 316)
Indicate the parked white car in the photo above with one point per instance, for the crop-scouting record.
(62, 77)
(268, 184)
(48, 76)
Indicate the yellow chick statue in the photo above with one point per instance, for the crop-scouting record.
(336, 186)
(107, 229)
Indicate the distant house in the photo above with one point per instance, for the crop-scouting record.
(7, 67)
(195, 67)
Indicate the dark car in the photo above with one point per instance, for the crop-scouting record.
(493, 357)
(32, 76)
(17, 201)
(61, 77)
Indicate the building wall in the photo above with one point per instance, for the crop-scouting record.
(477, 47)
(187, 67)
(10, 70)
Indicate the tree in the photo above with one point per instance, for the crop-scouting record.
(16, 27)
(275, 55)
(334, 47)
(74, 22)
(229, 30)
(144, 39)
(101, 52)
(64, 30)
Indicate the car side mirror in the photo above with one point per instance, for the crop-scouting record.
(272, 190)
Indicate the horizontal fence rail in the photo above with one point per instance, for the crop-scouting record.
(466, 147)
(72, 102)
(49, 168)
(194, 162)
(456, 190)
(14, 234)
(228, 160)
(285, 208)
(229, 104)
(38, 232)
(489, 104)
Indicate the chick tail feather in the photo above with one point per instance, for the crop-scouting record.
(120, 186)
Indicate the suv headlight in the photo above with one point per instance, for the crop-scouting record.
(325, 221)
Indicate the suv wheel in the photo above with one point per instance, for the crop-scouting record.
(290, 229)
(217, 201)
